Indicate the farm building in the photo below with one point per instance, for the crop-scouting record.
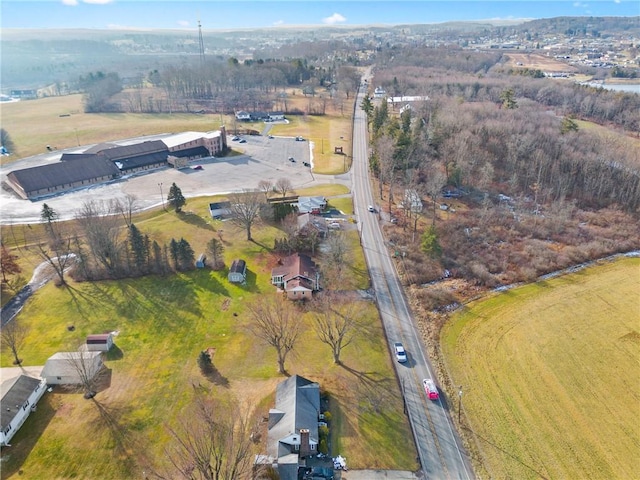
(59, 177)
(238, 271)
(297, 275)
(20, 394)
(101, 342)
(108, 161)
(293, 427)
(62, 368)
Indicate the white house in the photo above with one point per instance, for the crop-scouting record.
(62, 367)
(412, 201)
(379, 92)
(20, 395)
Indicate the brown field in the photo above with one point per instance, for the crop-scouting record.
(34, 124)
(550, 375)
(541, 62)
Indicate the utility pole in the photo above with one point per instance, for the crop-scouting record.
(459, 402)
(161, 195)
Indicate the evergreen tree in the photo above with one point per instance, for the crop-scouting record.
(430, 244)
(186, 255)
(49, 216)
(175, 198)
(138, 250)
(367, 106)
(173, 252)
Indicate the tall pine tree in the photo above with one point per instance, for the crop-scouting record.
(175, 198)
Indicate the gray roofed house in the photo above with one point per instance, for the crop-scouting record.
(57, 177)
(293, 425)
(19, 397)
(139, 156)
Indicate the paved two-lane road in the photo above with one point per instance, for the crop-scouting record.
(439, 450)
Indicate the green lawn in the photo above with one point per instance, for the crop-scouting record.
(550, 375)
(163, 324)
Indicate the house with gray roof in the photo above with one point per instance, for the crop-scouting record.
(20, 394)
(293, 426)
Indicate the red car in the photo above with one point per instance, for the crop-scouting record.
(430, 389)
(198, 167)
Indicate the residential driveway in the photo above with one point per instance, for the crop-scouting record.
(376, 475)
(260, 158)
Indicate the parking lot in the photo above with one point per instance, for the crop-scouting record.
(259, 158)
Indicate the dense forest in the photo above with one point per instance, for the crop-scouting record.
(537, 192)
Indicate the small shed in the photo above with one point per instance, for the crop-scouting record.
(101, 342)
(63, 368)
(238, 271)
(201, 261)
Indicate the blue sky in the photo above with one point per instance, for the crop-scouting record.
(167, 14)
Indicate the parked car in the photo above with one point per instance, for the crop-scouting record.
(306, 164)
(235, 139)
(198, 167)
(334, 225)
(242, 140)
(292, 160)
(401, 354)
(430, 389)
(299, 139)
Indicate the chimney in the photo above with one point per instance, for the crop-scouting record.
(305, 447)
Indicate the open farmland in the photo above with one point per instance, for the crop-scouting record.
(550, 375)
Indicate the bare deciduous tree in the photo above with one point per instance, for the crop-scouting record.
(275, 322)
(213, 442)
(101, 227)
(245, 207)
(336, 251)
(266, 187)
(215, 248)
(126, 207)
(12, 336)
(57, 254)
(89, 372)
(283, 186)
(334, 324)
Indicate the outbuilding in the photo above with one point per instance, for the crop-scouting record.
(63, 368)
(238, 271)
(101, 342)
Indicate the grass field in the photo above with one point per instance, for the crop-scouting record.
(164, 323)
(550, 374)
(34, 124)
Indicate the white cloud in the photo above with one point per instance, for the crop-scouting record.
(333, 19)
(278, 22)
(71, 3)
(580, 4)
(616, 1)
(183, 23)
